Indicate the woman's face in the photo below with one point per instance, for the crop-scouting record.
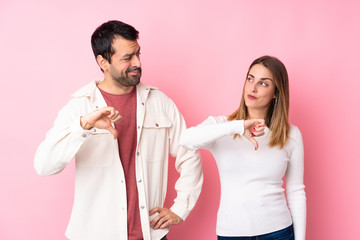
(259, 89)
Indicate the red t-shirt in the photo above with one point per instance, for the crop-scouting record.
(126, 105)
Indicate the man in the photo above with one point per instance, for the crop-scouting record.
(121, 133)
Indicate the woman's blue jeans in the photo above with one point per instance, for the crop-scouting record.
(284, 234)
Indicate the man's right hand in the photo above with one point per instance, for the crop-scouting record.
(102, 119)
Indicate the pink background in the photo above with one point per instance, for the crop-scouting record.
(198, 53)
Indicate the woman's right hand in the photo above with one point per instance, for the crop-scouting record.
(254, 128)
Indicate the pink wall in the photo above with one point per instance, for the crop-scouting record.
(198, 53)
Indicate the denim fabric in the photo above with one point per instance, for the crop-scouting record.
(284, 234)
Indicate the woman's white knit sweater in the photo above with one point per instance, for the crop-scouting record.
(252, 194)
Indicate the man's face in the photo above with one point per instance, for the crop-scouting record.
(125, 66)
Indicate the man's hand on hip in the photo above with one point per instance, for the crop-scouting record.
(164, 219)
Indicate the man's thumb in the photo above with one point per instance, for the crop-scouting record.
(113, 131)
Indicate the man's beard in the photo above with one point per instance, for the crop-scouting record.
(128, 81)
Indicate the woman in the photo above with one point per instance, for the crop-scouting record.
(253, 203)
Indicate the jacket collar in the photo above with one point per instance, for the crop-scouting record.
(90, 89)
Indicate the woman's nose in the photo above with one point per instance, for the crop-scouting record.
(253, 87)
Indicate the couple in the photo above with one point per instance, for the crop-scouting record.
(121, 132)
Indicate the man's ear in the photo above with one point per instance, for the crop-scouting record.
(102, 62)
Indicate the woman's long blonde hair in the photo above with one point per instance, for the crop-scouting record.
(277, 114)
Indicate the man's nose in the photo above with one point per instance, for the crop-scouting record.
(136, 61)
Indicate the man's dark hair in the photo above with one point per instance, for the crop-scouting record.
(102, 38)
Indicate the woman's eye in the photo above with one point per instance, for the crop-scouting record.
(264, 84)
(249, 79)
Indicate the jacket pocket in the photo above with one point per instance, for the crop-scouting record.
(97, 151)
(156, 121)
(154, 140)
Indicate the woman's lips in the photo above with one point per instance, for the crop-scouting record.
(251, 97)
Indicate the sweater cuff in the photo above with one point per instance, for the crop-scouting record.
(236, 127)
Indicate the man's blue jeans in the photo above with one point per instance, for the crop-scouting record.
(284, 234)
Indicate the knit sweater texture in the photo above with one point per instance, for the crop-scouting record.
(253, 200)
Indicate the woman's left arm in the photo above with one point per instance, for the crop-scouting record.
(295, 184)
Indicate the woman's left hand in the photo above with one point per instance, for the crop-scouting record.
(254, 128)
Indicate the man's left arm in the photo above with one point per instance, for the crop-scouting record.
(188, 186)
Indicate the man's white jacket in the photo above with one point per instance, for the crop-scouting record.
(100, 208)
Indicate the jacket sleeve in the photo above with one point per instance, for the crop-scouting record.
(295, 192)
(188, 164)
(206, 133)
(62, 141)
